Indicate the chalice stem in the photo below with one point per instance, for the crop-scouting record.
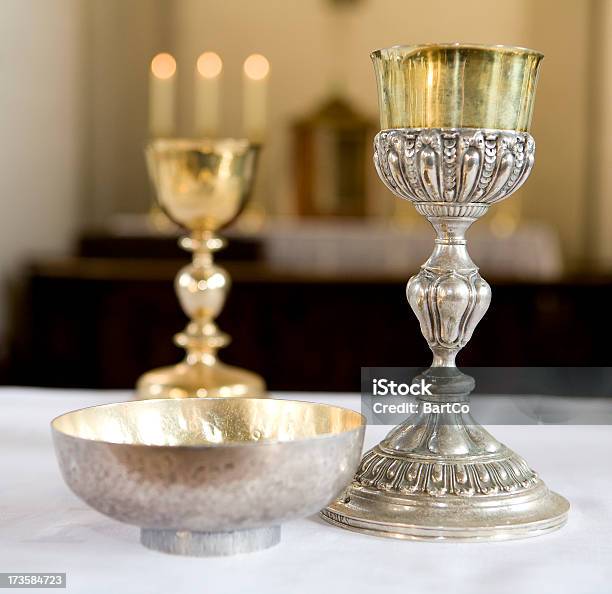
(448, 295)
(202, 288)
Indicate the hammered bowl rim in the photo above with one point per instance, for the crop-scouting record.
(359, 427)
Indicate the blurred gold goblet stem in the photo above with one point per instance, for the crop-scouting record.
(202, 288)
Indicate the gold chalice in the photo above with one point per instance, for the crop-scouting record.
(201, 185)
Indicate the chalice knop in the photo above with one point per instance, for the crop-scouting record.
(201, 185)
(455, 139)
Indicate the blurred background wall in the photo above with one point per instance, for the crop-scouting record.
(73, 104)
(43, 131)
(312, 51)
(82, 68)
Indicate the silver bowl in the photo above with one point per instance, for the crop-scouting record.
(208, 476)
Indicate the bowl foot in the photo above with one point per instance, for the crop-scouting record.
(210, 544)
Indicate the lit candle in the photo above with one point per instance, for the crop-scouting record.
(208, 75)
(256, 71)
(161, 95)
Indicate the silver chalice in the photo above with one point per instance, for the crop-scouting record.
(455, 139)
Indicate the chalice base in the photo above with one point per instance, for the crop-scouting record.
(442, 476)
(200, 380)
(477, 518)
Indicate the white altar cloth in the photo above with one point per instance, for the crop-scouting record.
(45, 528)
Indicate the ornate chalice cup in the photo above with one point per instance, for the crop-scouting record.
(201, 185)
(455, 139)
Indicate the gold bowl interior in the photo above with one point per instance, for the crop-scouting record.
(197, 422)
(202, 185)
(456, 86)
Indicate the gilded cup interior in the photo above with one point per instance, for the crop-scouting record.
(202, 184)
(456, 86)
(207, 422)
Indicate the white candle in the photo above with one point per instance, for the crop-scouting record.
(256, 70)
(162, 86)
(208, 75)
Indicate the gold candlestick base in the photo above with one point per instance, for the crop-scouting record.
(201, 185)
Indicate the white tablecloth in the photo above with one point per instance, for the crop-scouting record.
(45, 528)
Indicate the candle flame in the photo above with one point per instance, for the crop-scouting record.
(209, 65)
(256, 67)
(163, 66)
